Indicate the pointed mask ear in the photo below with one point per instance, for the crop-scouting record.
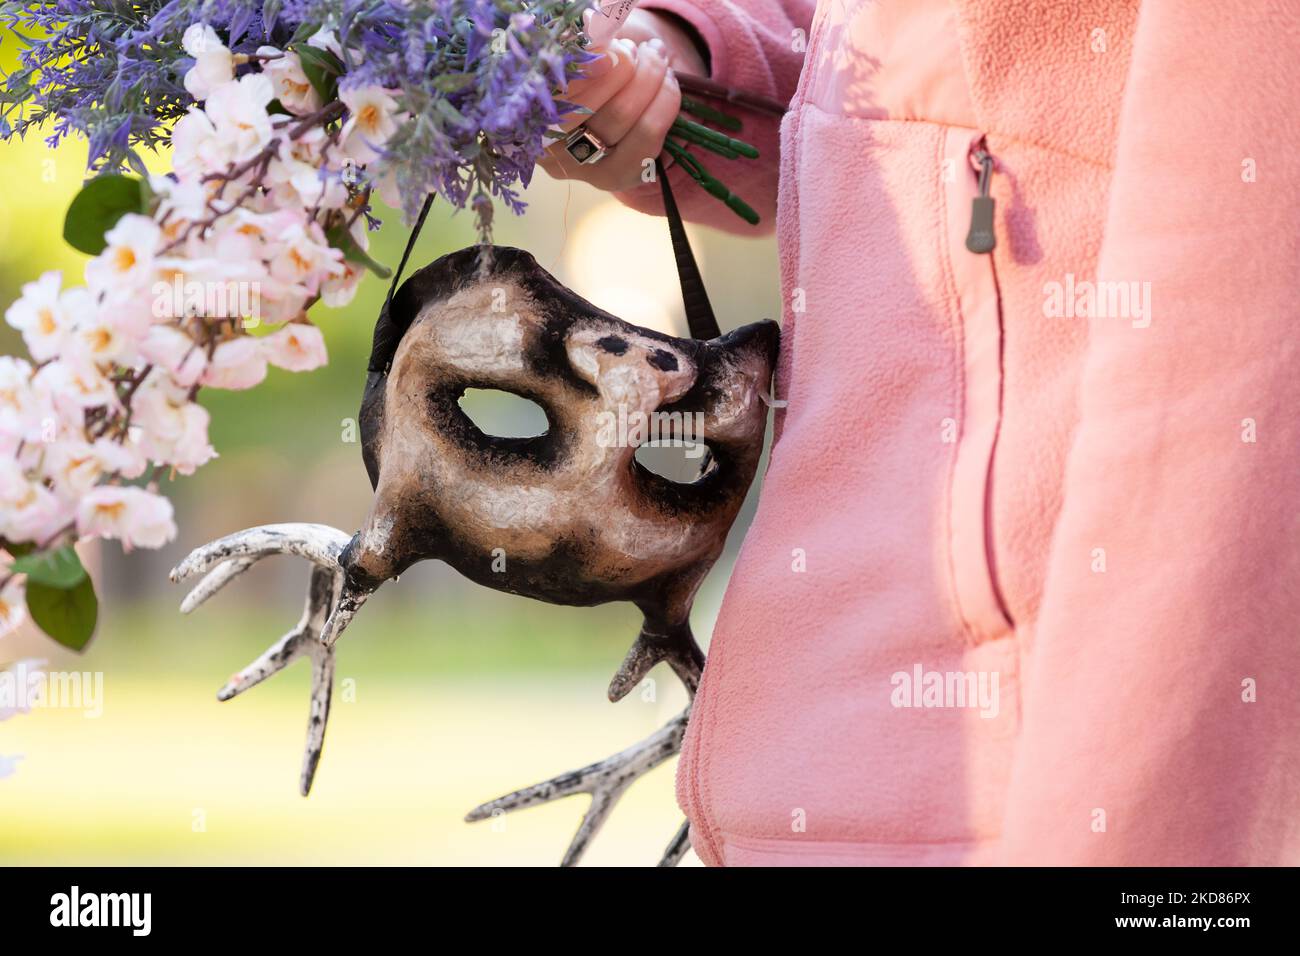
(630, 370)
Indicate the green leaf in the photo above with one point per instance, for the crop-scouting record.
(453, 82)
(17, 548)
(323, 70)
(18, 87)
(18, 93)
(302, 34)
(136, 163)
(450, 112)
(270, 12)
(97, 208)
(148, 198)
(340, 237)
(58, 569)
(66, 614)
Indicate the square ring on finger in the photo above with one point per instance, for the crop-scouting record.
(585, 146)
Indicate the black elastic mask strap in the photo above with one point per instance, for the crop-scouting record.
(695, 299)
(410, 244)
(383, 327)
(699, 313)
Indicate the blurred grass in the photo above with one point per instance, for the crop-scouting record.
(462, 694)
(168, 775)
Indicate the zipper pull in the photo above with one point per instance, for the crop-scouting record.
(980, 238)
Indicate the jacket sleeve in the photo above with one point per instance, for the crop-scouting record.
(1161, 707)
(756, 46)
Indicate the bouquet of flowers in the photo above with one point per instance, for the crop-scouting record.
(283, 118)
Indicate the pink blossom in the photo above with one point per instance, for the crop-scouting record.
(372, 120)
(77, 466)
(292, 88)
(304, 175)
(13, 611)
(73, 467)
(101, 342)
(232, 251)
(298, 347)
(219, 277)
(213, 63)
(141, 308)
(197, 149)
(74, 385)
(136, 517)
(305, 258)
(236, 364)
(172, 350)
(282, 301)
(386, 186)
(21, 406)
(185, 200)
(338, 291)
(293, 181)
(126, 265)
(28, 510)
(42, 316)
(123, 458)
(327, 39)
(173, 429)
(238, 112)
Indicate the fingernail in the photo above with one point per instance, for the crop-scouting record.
(657, 45)
(597, 67)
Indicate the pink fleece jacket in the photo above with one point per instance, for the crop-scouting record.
(1024, 582)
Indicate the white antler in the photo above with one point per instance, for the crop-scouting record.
(323, 620)
(606, 780)
(226, 558)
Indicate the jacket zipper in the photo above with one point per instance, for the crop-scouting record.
(977, 592)
(980, 238)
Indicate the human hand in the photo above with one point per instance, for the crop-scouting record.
(633, 97)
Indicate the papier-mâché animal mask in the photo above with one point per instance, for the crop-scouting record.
(568, 517)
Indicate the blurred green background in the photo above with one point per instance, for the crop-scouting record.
(458, 695)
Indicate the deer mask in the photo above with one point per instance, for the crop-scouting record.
(569, 516)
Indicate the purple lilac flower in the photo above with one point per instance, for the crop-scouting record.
(479, 78)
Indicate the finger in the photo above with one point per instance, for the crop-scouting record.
(615, 119)
(551, 166)
(558, 164)
(644, 142)
(591, 94)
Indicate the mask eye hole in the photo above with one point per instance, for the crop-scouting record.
(681, 462)
(501, 414)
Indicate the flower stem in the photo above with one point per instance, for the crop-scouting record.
(704, 111)
(710, 184)
(720, 143)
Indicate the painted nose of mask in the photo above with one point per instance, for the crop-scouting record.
(363, 572)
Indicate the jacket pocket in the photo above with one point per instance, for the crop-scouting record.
(969, 216)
